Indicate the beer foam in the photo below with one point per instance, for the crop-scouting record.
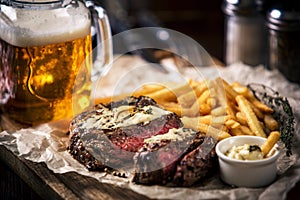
(42, 27)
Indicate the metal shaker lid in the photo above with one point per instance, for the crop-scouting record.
(239, 7)
(284, 16)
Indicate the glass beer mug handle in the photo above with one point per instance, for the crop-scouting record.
(102, 46)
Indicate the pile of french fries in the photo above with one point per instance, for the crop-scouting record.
(214, 107)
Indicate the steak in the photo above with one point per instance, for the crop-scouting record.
(182, 162)
(137, 135)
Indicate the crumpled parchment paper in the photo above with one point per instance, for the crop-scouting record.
(47, 143)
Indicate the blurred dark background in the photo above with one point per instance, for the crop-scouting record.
(200, 20)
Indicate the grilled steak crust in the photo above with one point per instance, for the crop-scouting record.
(180, 163)
(196, 164)
(137, 133)
(79, 152)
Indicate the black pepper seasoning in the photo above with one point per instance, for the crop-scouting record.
(283, 20)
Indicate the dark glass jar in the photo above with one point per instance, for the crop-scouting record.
(283, 21)
(245, 32)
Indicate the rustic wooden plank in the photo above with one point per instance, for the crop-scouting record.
(90, 188)
(63, 186)
(37, 176)
(13, 187)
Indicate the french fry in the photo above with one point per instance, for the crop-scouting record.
(195, 110)
(241, 118)
(236, 132)
(204, 109)
(263, 107)
(258, 104)
(219, 111)
(211, 131)
(173, 107)
(190, 122)
(210, 120)
(240, 89)
(193, 83)
(246, 130)
(230, 110)
(241, 130)
(229, 90)
(144, 91)
(202, 119)
(189, 112)
(187, 99)
(221, 97)
(199, 110)
(232, 124)
(212, 87)
(170, 93)
(203, 97)
(252, 120)
(218, 120)
(208, 130)
(270, 142)
(257, 112)
(200, 107)
(212, 102)
(203, 85)
(148, 88)
(270, 122)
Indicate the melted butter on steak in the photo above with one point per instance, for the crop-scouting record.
(173, 134)
(122, 116)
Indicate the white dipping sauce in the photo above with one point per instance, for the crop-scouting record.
(245, 152)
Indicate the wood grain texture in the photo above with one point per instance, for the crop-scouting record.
(12, 187)
(49, 185)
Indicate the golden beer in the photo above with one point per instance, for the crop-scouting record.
(44, 79)
(45, 71)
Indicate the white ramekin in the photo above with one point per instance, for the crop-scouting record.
(246, 173)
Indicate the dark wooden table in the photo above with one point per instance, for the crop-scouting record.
(48, 185)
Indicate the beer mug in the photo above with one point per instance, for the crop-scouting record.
(46, 57)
